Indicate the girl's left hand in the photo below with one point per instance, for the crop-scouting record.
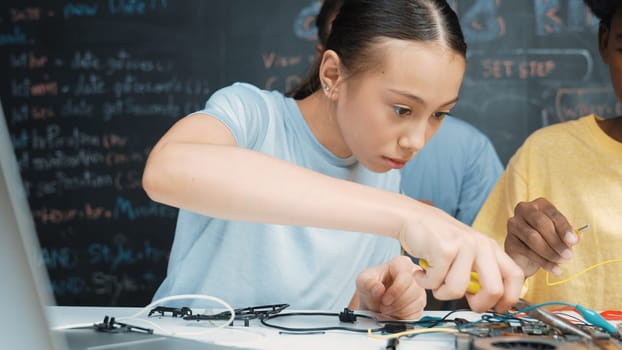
(391, 290)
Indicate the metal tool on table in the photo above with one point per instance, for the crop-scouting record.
(552, 320)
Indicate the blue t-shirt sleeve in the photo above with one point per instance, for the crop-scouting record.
(484, 169)
(243, 109)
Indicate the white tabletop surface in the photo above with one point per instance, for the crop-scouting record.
(256, 336)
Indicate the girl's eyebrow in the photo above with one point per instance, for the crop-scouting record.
(419, 99)
(408, 95)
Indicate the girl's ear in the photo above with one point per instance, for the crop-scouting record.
(603, 42)
(331, 73)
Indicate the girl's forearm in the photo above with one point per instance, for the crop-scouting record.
(238, 184)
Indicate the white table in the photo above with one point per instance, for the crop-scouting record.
(256, 336)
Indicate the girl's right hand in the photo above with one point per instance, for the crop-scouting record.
(453, 250)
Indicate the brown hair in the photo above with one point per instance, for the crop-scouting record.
(604, 9)
(359, 23)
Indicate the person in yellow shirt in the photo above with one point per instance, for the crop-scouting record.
(563, 177)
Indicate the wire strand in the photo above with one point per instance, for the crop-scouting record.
(577, 274)
(370, 333)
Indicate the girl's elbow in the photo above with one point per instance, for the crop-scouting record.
(150, 182)
(152, 177)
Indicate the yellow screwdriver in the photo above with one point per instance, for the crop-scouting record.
(473, 286)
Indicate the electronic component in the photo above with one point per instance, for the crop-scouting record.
(528, 343)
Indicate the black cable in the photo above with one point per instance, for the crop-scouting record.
(387, 326)
(246, 313)
(445, 319)
(265, 322)
(269, 312)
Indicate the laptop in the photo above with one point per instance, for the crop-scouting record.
(24, 292)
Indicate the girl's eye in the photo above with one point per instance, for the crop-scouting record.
(439, 115)
(401, 111)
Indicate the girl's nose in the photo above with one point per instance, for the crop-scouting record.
(414, 139)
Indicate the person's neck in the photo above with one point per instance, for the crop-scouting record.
(612, 127)
(319, 113)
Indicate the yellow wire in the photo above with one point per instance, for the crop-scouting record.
(577, 274)
(579, 231)
(411, 332)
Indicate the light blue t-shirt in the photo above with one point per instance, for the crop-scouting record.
(250, 264)
(456, 170)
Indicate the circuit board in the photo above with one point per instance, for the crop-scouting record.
(533, 335)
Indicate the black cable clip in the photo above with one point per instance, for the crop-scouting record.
(392, 327)
(175, 312)
(244, 314)
(347, 315)
(110, 325)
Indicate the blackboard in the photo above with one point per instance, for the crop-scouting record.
(89, 86)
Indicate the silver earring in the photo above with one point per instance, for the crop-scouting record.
(326, 88)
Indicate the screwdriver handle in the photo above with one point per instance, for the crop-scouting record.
(473, 286)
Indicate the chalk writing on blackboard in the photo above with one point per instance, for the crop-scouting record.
(91, 85)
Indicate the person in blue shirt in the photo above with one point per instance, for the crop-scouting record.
(455, 171)
(297, 201)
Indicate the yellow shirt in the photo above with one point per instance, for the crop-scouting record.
(578, 168)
